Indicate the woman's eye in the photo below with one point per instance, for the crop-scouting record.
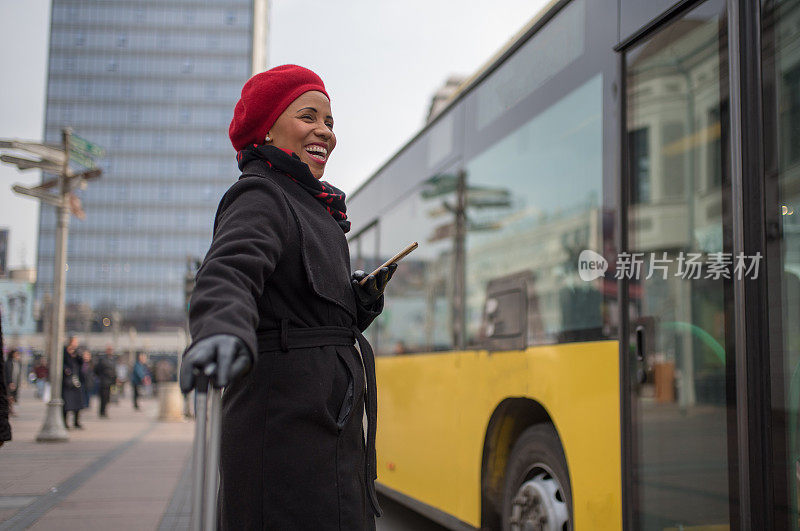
(307, 117)
(330, 125)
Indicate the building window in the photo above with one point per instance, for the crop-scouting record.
(169, 89)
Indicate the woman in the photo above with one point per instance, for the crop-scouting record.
(71, 383)
(275, 292)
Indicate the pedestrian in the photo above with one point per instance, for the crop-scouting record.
(87, 375)
(5, 427)
(71, 383)
(275, 293)
(140, 377)
(41, 372)
(14, 376)
(106, 373)
(121, 370)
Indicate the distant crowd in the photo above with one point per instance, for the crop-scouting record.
(84, 376)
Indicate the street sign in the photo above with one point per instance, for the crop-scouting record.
(83, 146)
(83, 160)
(27, 164)
(50, 153)
(94, 173)
(49, 198)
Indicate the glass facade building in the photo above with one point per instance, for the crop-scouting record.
(154, 82)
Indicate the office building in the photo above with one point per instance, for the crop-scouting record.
(154, 82)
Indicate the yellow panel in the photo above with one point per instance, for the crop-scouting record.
(434, 410)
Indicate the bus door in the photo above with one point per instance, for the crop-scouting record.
(675, 271)
(780, 69)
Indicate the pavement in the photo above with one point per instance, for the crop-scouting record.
(128, 471)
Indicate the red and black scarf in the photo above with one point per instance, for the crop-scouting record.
(289, 163)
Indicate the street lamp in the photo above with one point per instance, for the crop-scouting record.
(56, 159)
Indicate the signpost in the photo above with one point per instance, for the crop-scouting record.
(56, 159)
(83, 146)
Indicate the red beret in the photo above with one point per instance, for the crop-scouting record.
(264, 97)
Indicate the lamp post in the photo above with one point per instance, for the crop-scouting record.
(53, 429)
(56, 159)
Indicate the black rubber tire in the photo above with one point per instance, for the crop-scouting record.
(537, 444)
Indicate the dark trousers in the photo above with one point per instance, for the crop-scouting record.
(136, 389)
(75, 420)
(105, 395)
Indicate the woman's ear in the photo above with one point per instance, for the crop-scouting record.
(267, 139)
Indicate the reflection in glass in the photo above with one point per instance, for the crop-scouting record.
(676, 136)
(532, 206)
(418, 317)
(782, 74)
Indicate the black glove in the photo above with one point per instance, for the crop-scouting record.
(371, 291)
(221, 357)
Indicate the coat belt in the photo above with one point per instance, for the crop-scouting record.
(286, 339)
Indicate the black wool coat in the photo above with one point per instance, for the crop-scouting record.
(293, 450)
(73, 399)
(105, 370)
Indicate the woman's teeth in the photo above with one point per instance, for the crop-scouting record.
(318, 153)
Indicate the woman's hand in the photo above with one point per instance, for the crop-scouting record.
(221, 357)
(369, 293)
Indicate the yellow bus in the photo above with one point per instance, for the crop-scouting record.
(600, 328)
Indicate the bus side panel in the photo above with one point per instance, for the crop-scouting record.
(578, 385)
(434, 410)
(417, 427)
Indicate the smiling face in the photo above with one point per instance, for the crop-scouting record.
(306, 127)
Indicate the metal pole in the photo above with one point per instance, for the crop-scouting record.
(53, 429)
(212, 461)
(260, 36)
(199, 457)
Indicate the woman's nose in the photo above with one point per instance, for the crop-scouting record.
(323, 131)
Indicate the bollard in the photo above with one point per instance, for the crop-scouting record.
(170, 402)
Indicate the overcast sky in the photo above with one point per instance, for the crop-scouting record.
(381, 63)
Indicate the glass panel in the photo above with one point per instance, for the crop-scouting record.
(364, 250)
(782, 123)
(550, 50)
(417, 316)
(677, 310)
(533, 208)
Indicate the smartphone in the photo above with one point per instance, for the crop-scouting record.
(396, 258)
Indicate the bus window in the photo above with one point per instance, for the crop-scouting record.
(364, 256)
(417, 317)
(533, 204)
(677, 132)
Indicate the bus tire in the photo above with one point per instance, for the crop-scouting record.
(537, 493)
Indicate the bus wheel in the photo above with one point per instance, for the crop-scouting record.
(537, 494)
